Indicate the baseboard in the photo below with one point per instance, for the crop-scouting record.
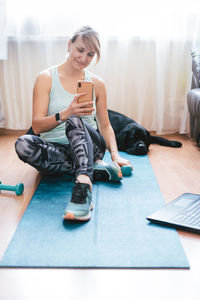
(4, 131)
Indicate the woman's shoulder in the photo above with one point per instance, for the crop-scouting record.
(99, 85)
(44, 78)
(97, 80)
(45, 75)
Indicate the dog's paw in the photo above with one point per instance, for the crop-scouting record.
(176, 144)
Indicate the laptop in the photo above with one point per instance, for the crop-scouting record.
(182, 213)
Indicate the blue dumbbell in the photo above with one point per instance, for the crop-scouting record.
(126, 170)
(18, 188)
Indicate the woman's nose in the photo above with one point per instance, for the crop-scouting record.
(84, 57)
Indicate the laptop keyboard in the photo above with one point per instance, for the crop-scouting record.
(190, 216)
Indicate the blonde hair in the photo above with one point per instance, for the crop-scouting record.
(90, 36)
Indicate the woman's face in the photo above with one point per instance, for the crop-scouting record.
(80, 53)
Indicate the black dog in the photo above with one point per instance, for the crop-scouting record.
(132, 137)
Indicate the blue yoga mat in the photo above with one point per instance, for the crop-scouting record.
(117, 236)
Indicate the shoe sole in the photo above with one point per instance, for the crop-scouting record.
(70, 216)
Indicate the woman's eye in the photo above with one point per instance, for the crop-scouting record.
(80, 50)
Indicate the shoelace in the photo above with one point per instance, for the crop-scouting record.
(79, 193)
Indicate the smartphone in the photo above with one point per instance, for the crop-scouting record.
(85, 86)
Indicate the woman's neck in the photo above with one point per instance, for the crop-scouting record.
(68, 71)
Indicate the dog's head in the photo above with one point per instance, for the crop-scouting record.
(134, 139)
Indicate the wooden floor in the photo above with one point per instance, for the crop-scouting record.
(177, 171)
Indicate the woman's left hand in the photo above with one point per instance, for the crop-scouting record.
(123, 162)
(120, 160)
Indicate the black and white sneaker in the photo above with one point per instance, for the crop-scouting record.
(80, 206)
(107, 172)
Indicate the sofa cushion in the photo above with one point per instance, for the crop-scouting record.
(196, 66)
(193, 100)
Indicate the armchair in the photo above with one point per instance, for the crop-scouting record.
(193, 98)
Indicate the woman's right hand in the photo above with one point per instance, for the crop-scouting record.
(77, 109)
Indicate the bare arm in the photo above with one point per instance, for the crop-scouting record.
(104, 123)
(41, 122)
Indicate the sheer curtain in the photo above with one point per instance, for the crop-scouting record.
(3, 38)
(145, 62)
(3, 48)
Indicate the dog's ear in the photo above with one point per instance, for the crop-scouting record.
(121, 138)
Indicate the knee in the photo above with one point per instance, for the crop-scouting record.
(20, 144)
(24, 147)
(73, 122)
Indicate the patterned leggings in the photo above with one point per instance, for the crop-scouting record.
(85, 146)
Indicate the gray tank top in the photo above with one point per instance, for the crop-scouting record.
(60, 99)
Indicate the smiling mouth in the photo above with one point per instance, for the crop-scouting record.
(80, 63)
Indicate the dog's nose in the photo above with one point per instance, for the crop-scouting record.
(142, 148)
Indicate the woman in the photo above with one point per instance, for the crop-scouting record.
(67, 138)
